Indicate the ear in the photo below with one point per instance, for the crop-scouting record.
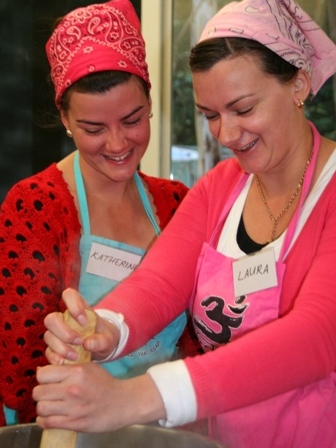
(302, 86)
(65, 120)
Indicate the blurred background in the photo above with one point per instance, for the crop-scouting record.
(182, 147)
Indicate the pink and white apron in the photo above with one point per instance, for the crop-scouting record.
(292, 419)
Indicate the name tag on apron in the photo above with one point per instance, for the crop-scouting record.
(111, 263)
(254, 272)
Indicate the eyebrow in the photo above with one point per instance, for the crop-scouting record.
(95, 123)
(228, 105)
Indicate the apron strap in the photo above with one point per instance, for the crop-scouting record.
(305, 189)
(146, 203)
(82, 201)
(83, 207)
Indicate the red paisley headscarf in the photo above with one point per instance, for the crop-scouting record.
(95, 38)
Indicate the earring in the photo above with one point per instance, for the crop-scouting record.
(300, 104)
(69, 133)
(151, 115)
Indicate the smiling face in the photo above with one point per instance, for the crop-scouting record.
(251, 112)
(111, 130)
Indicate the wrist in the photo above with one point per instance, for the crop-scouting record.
(152, 408)
(119, 330)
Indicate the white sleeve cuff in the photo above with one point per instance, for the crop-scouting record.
(177, 392)
(117, 319)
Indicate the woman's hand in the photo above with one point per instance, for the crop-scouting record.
(86, 398)
(59, 335)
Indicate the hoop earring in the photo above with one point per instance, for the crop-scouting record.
(69, 133)
(151, 115)
(300, 104)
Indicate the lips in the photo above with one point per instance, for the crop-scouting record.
(245, 148)
(119, 158)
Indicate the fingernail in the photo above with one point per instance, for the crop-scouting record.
(82, 319)
(72, 356)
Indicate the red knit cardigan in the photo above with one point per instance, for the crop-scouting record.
(39, 258)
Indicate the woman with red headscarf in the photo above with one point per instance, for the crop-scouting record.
(87, 221)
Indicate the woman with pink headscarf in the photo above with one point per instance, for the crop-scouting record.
(251, 252)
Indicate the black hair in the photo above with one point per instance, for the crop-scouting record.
(207, 53)
(100, 82)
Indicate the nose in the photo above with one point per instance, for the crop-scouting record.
(116, 140)
(227, 131)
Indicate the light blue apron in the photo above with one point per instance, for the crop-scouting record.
(94, 287)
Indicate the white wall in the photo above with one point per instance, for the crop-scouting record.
(156, 22)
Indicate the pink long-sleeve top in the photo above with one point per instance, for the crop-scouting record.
(292, 351)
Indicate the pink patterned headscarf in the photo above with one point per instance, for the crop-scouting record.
(283, 27)
(96, 38)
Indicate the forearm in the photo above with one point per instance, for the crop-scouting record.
(159, 290)
(147, 402)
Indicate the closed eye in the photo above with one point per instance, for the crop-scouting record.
(210, 116)
(92, 131)
(244, 111)
(132, 122)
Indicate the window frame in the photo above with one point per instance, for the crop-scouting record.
(156, 24)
